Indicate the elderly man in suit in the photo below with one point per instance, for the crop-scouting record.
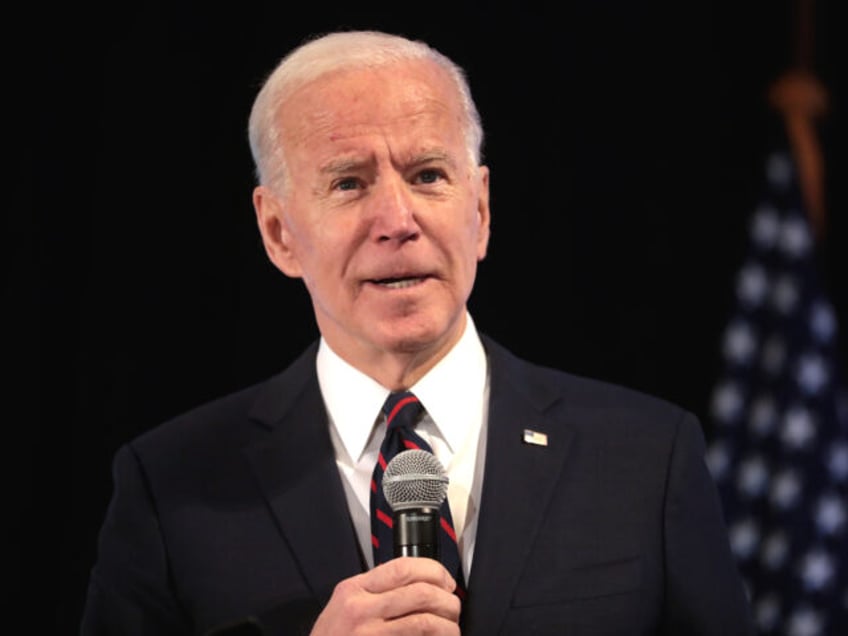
(577, 507)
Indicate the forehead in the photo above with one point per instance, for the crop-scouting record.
(411, 99)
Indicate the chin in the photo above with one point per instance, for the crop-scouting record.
(415, 335)
(407, 341)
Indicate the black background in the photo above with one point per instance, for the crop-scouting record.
(625, 139)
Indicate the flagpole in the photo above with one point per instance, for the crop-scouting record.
(801, 99)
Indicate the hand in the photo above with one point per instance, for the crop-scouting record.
(406, 596)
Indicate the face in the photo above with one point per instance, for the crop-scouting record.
(384, 215)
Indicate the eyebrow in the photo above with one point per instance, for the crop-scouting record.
(343, 165)
(430, 156)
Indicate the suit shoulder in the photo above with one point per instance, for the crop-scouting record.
(219, 418)
(555, 386)
(228, 419)
(594, 391)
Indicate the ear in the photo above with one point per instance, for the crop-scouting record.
(273, 227)
(483, 214)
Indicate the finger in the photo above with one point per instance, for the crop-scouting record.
(429, 624)
(418, 598)
(406, 570)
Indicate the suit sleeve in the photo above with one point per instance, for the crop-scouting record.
(129, 589)
(704, 590)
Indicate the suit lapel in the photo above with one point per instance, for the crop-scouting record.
(296, 470)
(518, 481)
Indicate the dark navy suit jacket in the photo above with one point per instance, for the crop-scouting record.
(236, 509)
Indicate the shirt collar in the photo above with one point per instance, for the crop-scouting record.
(451, 392)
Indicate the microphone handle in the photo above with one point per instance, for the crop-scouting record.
(416, 532)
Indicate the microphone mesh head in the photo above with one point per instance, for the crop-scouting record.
(414, 479)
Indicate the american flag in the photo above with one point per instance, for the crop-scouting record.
(778, 447)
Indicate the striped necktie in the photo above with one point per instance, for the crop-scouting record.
(402, 411)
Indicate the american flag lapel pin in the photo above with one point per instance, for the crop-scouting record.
(535, 437)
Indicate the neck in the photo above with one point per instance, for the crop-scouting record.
(402, 365)
(399, 372)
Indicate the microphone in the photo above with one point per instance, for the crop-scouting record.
(415, 485)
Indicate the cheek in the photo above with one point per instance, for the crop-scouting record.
(328, 248)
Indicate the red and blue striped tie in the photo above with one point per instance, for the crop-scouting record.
(402, 411)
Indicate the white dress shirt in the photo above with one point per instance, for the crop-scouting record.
(455, 395)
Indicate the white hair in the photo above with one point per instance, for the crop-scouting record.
(330, 52)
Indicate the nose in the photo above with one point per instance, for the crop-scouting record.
(392, 210)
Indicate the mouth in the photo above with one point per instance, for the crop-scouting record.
(399, 283)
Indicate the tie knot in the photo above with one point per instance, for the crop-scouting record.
(402, 409)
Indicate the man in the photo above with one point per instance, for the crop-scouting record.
(578, 507)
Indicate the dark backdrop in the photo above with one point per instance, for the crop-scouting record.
(626, 142)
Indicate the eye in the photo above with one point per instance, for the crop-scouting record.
(348, 183)
(429, 175)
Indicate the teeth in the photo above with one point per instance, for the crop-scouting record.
(399, 284)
